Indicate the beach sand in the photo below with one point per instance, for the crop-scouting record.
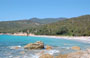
(79, 38)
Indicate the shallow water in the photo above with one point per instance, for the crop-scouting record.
(7, 42)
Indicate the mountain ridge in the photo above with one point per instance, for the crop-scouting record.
(23, 24)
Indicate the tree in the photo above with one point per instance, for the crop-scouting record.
(63, 30)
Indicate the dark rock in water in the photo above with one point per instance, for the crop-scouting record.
(37, 45)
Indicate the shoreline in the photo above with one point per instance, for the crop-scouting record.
(78, 38)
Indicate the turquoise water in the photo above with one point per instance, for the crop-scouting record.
(7, 41)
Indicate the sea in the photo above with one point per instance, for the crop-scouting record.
(59, 46)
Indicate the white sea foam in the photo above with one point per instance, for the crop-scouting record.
(35, 56)
(45, 52)
(52, 52)
(13, 47)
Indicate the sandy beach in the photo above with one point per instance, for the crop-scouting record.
(80, 38)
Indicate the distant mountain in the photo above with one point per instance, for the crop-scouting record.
(46, 20)
(15, 26)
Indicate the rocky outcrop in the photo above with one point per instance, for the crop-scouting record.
(42, 54)
(46, 56)
(37, 45)
(76, 48)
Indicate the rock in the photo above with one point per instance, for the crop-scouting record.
(46, 56)
(75, 55)
(62, 56)
(37, 45)
(79, 54)
(76, 48)
(48, 47)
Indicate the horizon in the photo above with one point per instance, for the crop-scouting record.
(39, 18)
(26, 9)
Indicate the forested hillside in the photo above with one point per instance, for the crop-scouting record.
(78, 26)
(16, 26)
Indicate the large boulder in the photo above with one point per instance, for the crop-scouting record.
(46, 56)
(76, 48)
(37, 45)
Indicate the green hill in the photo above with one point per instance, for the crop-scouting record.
(77, 26)
(15, 26)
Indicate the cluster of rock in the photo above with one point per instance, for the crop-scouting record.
(40, 45)
(79, 54)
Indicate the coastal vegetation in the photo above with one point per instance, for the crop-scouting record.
(77, 26)
(19, 25)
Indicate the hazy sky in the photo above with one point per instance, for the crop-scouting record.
(25, 9)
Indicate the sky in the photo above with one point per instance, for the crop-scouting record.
(25, 9)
